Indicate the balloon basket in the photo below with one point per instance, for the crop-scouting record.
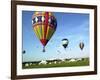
(43, 49)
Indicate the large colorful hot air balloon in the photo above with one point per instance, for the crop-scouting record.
(65, 43)
(44, 25)
(81, 45)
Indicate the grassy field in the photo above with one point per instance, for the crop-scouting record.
(65, 63)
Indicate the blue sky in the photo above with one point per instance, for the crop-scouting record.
(73, 26)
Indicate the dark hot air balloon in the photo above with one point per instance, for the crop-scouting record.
(65, 43)
(23, 51)
(44, 25)
(81, 45)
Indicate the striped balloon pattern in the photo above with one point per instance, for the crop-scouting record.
(44, 25)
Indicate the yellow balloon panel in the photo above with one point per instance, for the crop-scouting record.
(50, 32)
(38, 30)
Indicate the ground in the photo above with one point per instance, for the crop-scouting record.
(57, 63)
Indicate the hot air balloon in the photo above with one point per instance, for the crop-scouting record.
(23, 51)
(81, 45)
(65, 43)
(44, 25)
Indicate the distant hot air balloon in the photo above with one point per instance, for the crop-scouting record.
(23, 51)
(44, 25)
(81, 45)
(65, 43)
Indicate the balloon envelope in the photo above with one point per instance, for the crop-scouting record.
(23, 51)
(44, 25)
(81, 45)
(65, 42)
